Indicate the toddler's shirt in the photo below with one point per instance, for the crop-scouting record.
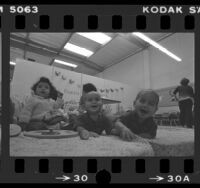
(131, 121)
(102, 123)
(35, 108)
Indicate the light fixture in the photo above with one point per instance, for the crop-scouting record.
(100, 38)
(12, 63)
(156, 45)
(79, 50)
(65, 63)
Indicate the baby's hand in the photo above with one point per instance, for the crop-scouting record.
(47, 116)
(55, 113)
(127, 135)
(93, 134)
(84, 134)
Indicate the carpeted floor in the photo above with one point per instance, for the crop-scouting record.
(101, 146)
(173, 141)
(170, 141)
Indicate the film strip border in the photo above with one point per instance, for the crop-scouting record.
(104, 170)
(140, 22)
(100, 17)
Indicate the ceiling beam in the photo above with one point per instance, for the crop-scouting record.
(19, 42)
(132, 39)
(138, 42)
(62, 46)
(40, 51)
(102, 46)
(139, 50)
(27, 36)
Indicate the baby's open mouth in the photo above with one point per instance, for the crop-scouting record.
(143, 111)
(94, 107)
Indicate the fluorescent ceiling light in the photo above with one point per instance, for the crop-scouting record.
(78, 50)
(156, 45)
(12, 63)
(100, 38)
(65, 63)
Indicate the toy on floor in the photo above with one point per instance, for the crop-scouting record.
(51, 134)
(15, 130)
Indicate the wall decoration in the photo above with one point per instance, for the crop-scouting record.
(57, 73)
(64, 77)
(71, 88)
(71, 81)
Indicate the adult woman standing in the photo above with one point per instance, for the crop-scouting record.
(185, 100)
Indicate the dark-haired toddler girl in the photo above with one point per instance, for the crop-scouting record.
(41, 111)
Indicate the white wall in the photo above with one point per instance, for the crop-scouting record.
(130, 72)
(163, 70)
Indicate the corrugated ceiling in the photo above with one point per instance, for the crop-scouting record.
(45, 47)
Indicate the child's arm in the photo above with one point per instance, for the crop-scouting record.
(175, 93)
(58, 103)
(122, 131)
(79, 127)
(25, 114)
(83, 133)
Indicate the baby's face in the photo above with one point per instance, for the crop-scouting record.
(146, 105)
(43, 89)
(93, 102)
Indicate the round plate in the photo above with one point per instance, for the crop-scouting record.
(45, 134)
(15, 130)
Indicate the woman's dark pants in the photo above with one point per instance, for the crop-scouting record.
(186, 115)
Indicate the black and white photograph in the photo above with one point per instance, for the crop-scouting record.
(101, 94)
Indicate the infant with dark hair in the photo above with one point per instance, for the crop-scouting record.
(94, 121)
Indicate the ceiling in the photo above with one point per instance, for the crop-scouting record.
(45, 47)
